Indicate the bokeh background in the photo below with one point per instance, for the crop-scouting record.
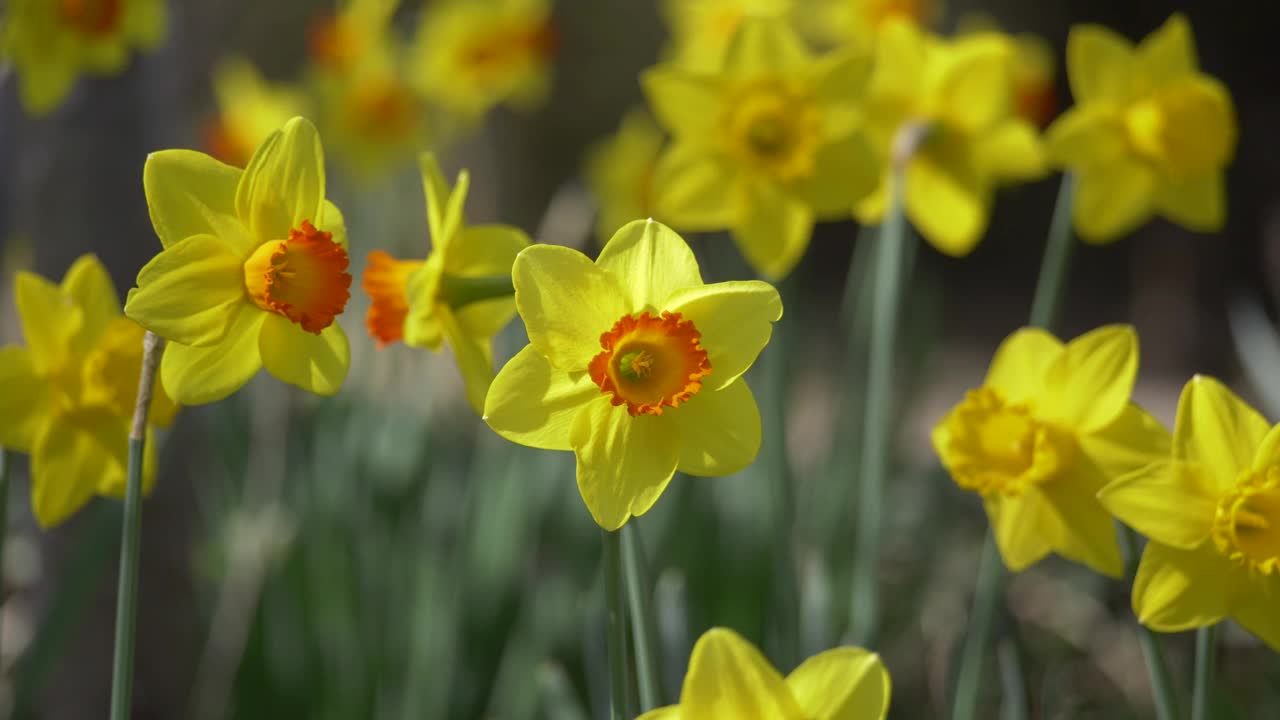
(381, 554)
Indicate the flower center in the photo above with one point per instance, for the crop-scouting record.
(333, 43)
(496, 52)
(303, 278)
(91, 17)
(997, 447)
(1187, 130)
(384, 280)
(110, 373)
(773, 128)
(650, 362)
(382, 109)
(1246, 527)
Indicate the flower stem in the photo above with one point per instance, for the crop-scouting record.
(127, 594)
(458, 291)
(1056, 264)
(617, 629)
(4, 529)
(1166, 700)
(1206, 649)
(639, 594)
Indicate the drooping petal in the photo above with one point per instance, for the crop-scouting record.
(773, 230)
(1089, 383)
(687, 105)
(729, 678)
(283, 183)
(1167, 55)
(50, 320)
(1085, 532)
(624, 462)
(719, 431)
(315, 363)
(190, 291)
(1011, 151)
(1113, 200)
(846, 683)
(1022, 526)
(839, 80)
(198, 375)
(901, 53)
(27, 400)
(1022, 362)
(764, 46)
(652, 261)
(971, 86)
(1087, 136)
(1131, 442)
(90, 287)
(1099, 64)
(845, 172)
(1165, 501)
(1198, 204)
(190, 193)
(946, 200)
(1178, 590)
(1217, 432)
(567, 302)
(533, 404)
(735, 320)
(474, 356)
(1256, 612)
(66, 464)
(694, 188)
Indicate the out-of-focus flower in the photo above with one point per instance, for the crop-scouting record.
(1149, 134)
(728, 679)
(1048, 428)
(51, 42)
(468, 55)
(635, 365)
(1211, 510)
(620, 172)
(764, 147)
(337, 42)
(371, 117)
(69, 395)
(249, 109)
(450, 297)
(957, 93)
(859, 22)
(253, 271)
(701, 29)
(1032, 68)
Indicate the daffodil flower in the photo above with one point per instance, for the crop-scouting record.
(1031, 67)
(370, 115)
(858, 23)
(764, 147)
(959, 93)
(1211, 509)
(69, 395)
(51, 42)
(337, 41)
(1048, 428)
(635, 365)
(450, 297)
(620, 172)
(728, 679)
(253, 271)
(1149, 134)
(701, 30)
(249, 110)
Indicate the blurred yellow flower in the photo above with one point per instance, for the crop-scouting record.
(619, 172)
(338, 41)
(1032, 68)
(372, 119)
(68, 396)
(1048, 428)
(1211, 510)
(958, 93)
(763, 148)
(635, 365)
(701, 29)
(470, 55)
(1149, 134)
(858, 23)
(253, 271)
(728, 679)
(249, 109)
(51, 42)
(460, 295)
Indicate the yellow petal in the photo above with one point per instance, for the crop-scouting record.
(1198, 204)
(27, 400)
(283, 183)
(1089, 383)
(474, 356)
(1099, 64)
(1022, 362)
(90, 287)
(315, 363)
(687, 105)
(764, 46)
(946, 200)
(50, 319)
(729, 678)
(846, 683)
(1167, 55)
(422, 326)
(531, 403)
(1132, 441)
(840, 80)
(67, 462)
(1022, 526)
(332, 221)
(1165, 501)
(1087, 136)
(845, 172)
(773, 230)
(972, 83)
(719, 431)
(1257, 613)
(1113, 200)
(190, 193)
(901, 55)
(1178, 590)
(735, 320)
(694, 188)
(1085, 532)
(44, 84)
(198, 375)
(652, 261)
(624, 462)
(1011, 151)
(437, 193)
(189, 292)
(567, 302)
(1217, 432)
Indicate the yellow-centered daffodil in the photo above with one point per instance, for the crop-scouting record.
(249, 110)
(253, 271)
(701, 29)
(635, 365)
(619, 172)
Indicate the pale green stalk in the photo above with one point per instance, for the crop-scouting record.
(1163, 694)
(458, 291)
(4, 525)
(644, 638)
(616, 632)
(131, 535)
(1206, 649)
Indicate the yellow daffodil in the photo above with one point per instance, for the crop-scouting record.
(1032, 68)
(253, 271)
(1048, 428)
(957, 93)
(336, 42)
(633, 364)
(859, 22)
(471, 55)
(728, 679)
(68, 396)
(371, 117)
(1211, 510)
(448, 298)
(1149, 134)
(763, 147)
(51, 42)
(620, 172)
(249, 109)
(701, 29)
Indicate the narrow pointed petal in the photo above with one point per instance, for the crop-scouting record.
(315, 363)
(652, 260)
(1167, 502)
(190, 193)
(1022, 362)
(1216, 431)
(1167, 55)
(91, 288)
(189, 292)
(1089, 383)
(846, 683)
(283, 183)
(624, 462)
(531, 403)
(736, 321)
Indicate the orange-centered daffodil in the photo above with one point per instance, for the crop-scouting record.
(633, 364)
(253, 271)
(249, 109)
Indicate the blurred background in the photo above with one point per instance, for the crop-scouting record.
(382, 554)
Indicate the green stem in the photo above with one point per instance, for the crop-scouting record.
(558, 699)
(617, 629)
(131, 535)
(1206, 651)
(1163, 694)
(457, 291)
(782, 501)
(1057, 259)
(1014, 684)
(639, 595)
(4, 528)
